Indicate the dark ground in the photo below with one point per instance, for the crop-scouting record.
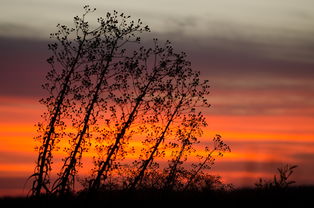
(289, 197)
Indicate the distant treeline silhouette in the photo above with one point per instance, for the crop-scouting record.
(108, 92)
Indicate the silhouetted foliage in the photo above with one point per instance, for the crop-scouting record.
(106, 54)
(282, 181)
(106, 95)
(69, 54)
(197, 174)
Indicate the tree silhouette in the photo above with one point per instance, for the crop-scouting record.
(113, 33)
(207, 161)
(147, 88)
(187, 136)
(185, 94)
(69, 56)
(105, 92)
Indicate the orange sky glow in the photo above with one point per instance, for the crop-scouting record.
(258, 144)
(257, 55)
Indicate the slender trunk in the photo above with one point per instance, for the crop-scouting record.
(42, 158)
(62, 186)
(150, 159)
(105, 165)
(173, 169)
(198, 170)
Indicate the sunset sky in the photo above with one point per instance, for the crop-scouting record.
(257, 55)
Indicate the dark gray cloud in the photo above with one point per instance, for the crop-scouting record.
(237, 68)
(217, 59)
(249, 166)
(300, 106)
(244, 58)
(16, 158)
(306, 157)
(14, 183)
(303, 174)
(23, 66)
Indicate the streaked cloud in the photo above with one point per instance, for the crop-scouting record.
(257, 55)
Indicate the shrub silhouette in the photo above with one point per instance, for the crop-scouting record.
(282, 181)
(106, 94)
